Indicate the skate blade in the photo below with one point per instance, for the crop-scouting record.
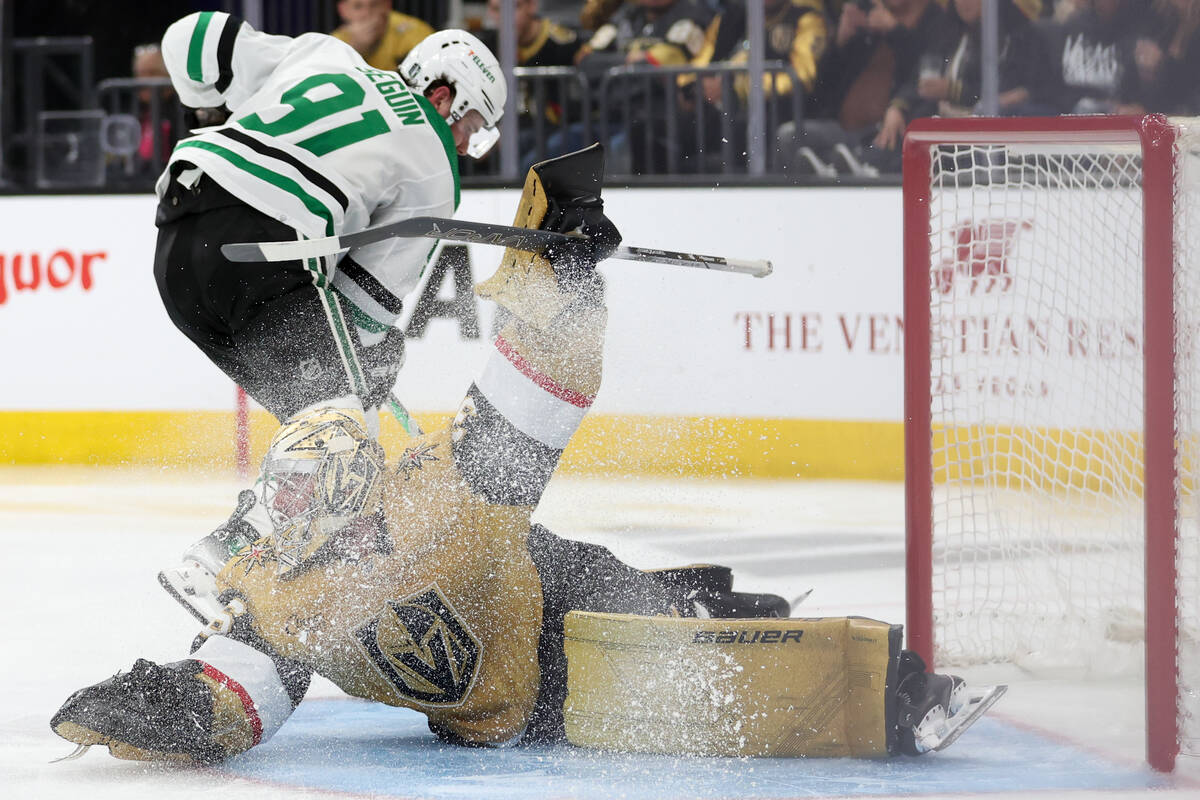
(182, 584)
(976, 708)
(74, 754)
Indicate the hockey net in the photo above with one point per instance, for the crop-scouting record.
(1039, 370)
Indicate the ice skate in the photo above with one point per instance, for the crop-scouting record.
(711, 586)
(934, 710)
(193, 584)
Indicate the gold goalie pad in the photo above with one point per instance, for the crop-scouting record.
(524, 283)
(729, 687)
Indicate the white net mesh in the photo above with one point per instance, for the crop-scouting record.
(1037, 409)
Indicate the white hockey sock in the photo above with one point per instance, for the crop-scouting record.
(534, 403)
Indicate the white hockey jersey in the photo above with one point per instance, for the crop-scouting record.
(320, 141)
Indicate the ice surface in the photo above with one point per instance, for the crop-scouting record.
(82, 547)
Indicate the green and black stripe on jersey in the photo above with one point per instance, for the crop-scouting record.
(329, 209)
(310, 174)
(371, 306)
(210, 48)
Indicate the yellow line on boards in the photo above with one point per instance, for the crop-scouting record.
(615, 444)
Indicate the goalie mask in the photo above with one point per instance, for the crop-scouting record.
(321, 472)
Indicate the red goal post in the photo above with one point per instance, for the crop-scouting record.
(1025, 352)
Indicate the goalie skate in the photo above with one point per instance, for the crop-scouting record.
(939, 729)
(710, 586)
(193, 583)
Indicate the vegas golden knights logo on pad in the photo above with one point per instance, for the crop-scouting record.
(424, 650)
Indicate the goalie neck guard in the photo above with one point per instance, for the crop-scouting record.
(465, 62)
(320, 473)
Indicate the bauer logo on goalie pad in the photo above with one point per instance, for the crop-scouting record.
(748, 637)
(422, 648)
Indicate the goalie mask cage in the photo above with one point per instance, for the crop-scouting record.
(1051, 298)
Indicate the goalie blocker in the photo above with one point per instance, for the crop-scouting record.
(757, 687)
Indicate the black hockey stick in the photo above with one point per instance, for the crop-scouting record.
(428, 227)
(474, 233)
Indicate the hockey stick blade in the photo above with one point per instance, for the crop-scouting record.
(402, 415)
(416, 227)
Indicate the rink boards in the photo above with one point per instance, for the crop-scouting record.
(706, 373)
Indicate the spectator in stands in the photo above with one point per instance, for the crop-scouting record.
(1166, 60)
(795, 33)
(856, 116)
(1093, 52)
(541, 43)
(381, 36)
(597, 12)
(148, 63)
(656, 32)
(949, 78)
(644, 33)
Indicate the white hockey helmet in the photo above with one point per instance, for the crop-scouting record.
(467, 63)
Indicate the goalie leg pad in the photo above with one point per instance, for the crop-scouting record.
(562, 195)
(758, 687)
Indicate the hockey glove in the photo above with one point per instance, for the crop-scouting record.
(573, 184)
(194, 118)
(575, 259)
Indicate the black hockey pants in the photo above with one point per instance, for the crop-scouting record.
(264, 324)
(578, 576)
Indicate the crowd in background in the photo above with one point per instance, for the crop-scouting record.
(854, 72)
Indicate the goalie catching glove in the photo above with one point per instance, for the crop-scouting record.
(573, 205)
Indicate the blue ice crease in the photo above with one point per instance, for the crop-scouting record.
(348, 745)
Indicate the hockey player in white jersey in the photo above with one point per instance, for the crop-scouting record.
(312, 142)
(315, 143)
